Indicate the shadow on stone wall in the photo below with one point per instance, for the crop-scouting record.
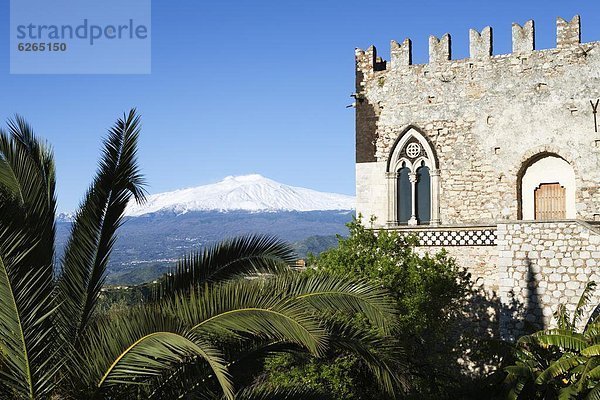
(524, 313)
(534, 317)
(485, 346)
(366, 131)
(491, 325)
(483, 352)
(488, 328)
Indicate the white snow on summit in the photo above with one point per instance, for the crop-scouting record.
(248, 193)
(66, 217)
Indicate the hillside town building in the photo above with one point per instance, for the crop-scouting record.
(495, 158)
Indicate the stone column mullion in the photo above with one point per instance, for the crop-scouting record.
(413, 195)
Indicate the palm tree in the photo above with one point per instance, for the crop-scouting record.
(559, 363)
(203, 324)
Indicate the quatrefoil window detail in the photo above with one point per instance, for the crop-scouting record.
(413, 150)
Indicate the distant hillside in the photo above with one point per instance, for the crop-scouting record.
(148, 271)
(315, 245)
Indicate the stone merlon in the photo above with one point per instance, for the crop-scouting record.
(440, 50)
(401, 54)
(568, 33)
(523, 37)
(480, 44)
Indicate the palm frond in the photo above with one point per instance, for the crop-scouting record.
(584, 300)
(27, 209)
(519, 376)
(93, 233)
(250, 307)
(524, 340)
(562, 317)
(591, 351)
(140, 346)
(28, 199)
(28, 178)
(594, 373)
(262, 392)
(249, 353)
(563, 338)
(334, 294)
(156, 352)
(25, 340)
(570, 392)
(520, 370)
(384, 357)
(592, 332)
(594, 394)
(586, 374)
(276, 312)
(560, 367)
(190, 379)
(250, 254)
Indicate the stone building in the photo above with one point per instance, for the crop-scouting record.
(495, 158)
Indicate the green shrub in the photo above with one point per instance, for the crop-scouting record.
(431, 293)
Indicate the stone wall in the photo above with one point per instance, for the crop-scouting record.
(473, 247)
(372, 200)
(480, 261)
(542, 265)
(531, 269)
(485, 117)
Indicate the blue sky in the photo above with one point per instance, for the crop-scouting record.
(243, 87)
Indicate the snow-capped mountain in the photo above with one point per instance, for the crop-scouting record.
(173, 224)
(248, 193)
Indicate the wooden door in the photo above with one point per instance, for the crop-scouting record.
(550, 202)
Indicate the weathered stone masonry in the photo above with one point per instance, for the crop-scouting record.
(545, 264)
(491, 133)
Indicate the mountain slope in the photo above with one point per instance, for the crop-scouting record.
(249, 193)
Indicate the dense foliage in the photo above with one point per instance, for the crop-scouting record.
(194, 333)
(559, 363)
(431, 294)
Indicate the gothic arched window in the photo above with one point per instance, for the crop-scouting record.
(413, 181)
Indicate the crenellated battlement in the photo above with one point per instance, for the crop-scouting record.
(568, 35)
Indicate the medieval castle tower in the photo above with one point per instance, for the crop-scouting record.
(495, 158)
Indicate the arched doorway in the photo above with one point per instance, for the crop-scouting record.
(547, 189)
